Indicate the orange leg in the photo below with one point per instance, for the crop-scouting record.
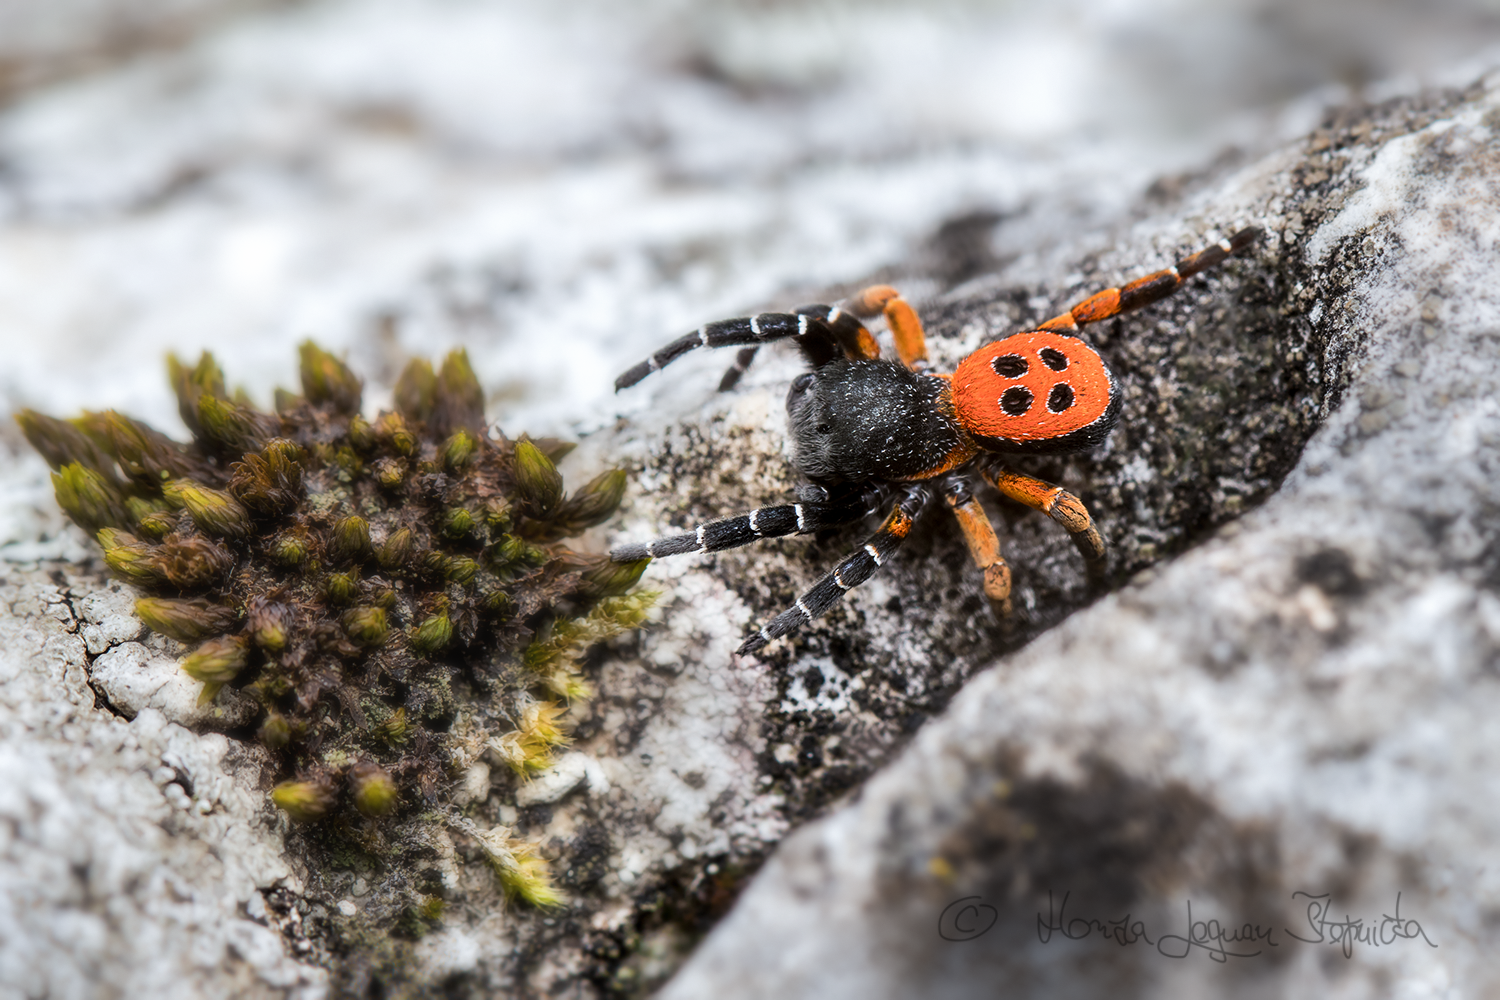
(857, 342)
(1064, 508)
(1151, 288)
(984, 547)
(906, 328)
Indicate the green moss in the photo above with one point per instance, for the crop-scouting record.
(367, 582)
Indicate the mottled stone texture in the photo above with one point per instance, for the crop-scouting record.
(41, 43)
(132, 852)
(1300, 703)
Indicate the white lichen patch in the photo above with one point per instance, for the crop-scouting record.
(570, 771)
(832, 689)
(108, 618)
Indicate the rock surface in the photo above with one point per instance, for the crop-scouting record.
(41, 43)
(131, 852)
(318, 171)
(1299, 705)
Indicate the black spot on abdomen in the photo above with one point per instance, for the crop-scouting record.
(1016, 400)
(1010, 365)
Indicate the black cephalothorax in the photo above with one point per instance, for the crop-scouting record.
(869, 419)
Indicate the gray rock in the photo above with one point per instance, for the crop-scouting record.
(131, 855)
(1299, 704)
(134, 677)
(109, 618)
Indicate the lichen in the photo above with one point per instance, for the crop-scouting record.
(393, 594)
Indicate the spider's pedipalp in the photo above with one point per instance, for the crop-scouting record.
(732, 532)
(850, 573)
(906, 326)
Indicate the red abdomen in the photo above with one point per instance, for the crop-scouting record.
(1035, 392)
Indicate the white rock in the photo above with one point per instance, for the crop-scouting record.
(83, 818)
(109, 618)
(133, 677)
(570, 770)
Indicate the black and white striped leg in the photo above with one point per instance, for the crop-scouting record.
(759, 329)
(852, 572)
(822, 333)
(741, 365)
(732, 532)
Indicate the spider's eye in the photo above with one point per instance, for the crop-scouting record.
(802, 382)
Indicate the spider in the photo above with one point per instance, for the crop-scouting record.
(874, 433)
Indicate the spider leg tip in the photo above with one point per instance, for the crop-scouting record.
(751, 645)
(1246, 236)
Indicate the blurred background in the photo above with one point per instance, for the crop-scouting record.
(562, 186)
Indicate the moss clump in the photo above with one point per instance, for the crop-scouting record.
(352, 575)
(523, 873)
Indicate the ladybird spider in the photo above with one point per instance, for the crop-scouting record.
(870, 432)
